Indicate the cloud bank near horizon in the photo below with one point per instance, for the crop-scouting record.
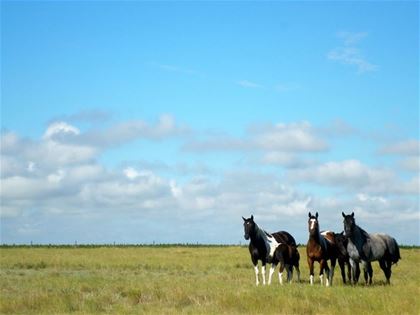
(57, 188)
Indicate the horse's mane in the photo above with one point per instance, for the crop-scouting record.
(363, 234)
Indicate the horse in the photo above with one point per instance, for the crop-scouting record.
(365, 248)
(321, 247)
(288, 257)
(343, 258)
(263, 245)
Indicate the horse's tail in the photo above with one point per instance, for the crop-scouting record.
(395, 256)
(393, 249)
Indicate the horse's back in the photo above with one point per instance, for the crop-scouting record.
(284, 237)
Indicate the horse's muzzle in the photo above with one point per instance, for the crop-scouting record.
(246, 237)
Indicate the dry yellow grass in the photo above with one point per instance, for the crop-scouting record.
(187, 280)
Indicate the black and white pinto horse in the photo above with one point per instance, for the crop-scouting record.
(272, 248)
(364, 247)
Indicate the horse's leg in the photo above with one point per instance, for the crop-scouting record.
(333, 262)
(365, 266)
(357, 272)
(281, 272)
(353, 270)
(342, 265)
(347, 263)
(263, 272)
(370, 272)
(386, 267)
(311, 270)
(298, 272)
(324, 266)
(289, 269)
(389, 271)
(257, 282)
(272, 269)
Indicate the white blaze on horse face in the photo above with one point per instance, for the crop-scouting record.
(313, 221)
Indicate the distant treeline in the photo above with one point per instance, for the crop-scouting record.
(143, 245)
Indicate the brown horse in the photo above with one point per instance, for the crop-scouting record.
(321, 247)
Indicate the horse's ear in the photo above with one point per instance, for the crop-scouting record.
(252, 217)
(316, 215)
(243, 218)
(309, 214)
(343, 214)
(352, 214)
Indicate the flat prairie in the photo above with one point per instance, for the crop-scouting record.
(186, 280)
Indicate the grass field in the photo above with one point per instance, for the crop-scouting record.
(190, 280)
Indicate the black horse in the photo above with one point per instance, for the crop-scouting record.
(262, 245)
(343, 258)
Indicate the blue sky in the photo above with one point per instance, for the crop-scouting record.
(167, 121)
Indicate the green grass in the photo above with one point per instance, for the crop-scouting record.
(189, 280)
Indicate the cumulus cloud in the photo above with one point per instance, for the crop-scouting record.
(355, 176)
(59, 178)
(293, 137)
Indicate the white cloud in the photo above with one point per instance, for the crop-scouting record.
(58, 128)
(293, 137)
(350, 54)
(407, 147)
(60, 176)
(352, 175)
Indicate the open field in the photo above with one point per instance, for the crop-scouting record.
(191, 280)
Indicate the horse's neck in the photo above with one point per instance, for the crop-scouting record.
(316, 237)
(256, 235)
(359, 237)
(260, 237)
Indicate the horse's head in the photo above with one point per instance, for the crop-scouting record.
(349, 224)
(249, 227)
(313, 225)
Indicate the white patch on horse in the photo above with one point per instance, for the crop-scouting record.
(281, 278)
(311, 279)
(270, 243)
(321, 277)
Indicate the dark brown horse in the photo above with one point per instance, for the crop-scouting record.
(288, 257)
(321, 247)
